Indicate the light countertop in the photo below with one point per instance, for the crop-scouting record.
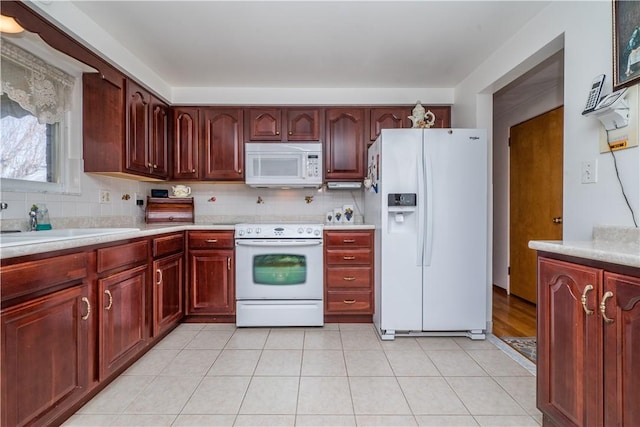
(616, 245)
(145, 231)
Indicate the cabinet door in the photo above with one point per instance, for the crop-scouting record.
(264, 124)
(388, 118)
(303, 124)
(621, 350)
(159, 139)
(211, 282)
(344, 146)
(569, 343)
(185, 143)
(122, 323)
(45, 356)
(222, 144)
(167, 292)
(443, 115)
(137, 149)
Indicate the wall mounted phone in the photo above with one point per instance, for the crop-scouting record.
(612, 110)
(594, 94)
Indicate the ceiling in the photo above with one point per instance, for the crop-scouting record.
(312, 44)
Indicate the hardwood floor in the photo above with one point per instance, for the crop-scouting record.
(512, 316)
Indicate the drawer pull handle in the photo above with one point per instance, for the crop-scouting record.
(212, 240)
(348, 258)
(584, 299)
(349, 301)
(348, 240)
(86, 301)
(159, 276)
(110, 300)
(229, 263)
(603, 307)
(349, 278)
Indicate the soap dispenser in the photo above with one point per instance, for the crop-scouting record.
(44, 223)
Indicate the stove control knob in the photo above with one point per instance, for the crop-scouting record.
(249, 230)
(300, 230)
(258, 230)
(240, 232)
(309, 230)
(316, 233)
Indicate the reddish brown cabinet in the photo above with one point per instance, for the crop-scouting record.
(186, 150)
(159, 138)
(278, 124)
(121, 290)
(344, 147)
(168, 283)
(222, 145)
(211, 277)
(588, 345)
(348, 275)
(46, 366)
(398, 117)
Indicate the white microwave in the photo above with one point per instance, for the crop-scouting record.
(283, 165)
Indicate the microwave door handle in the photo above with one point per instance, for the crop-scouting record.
(281, 243)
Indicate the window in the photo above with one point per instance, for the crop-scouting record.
(40, 123)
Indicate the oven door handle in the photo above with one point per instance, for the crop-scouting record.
(277, 243)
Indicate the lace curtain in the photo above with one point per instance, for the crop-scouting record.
(38, 87)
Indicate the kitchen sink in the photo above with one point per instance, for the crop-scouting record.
(45, 236)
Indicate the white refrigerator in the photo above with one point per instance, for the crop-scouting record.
(427, 196)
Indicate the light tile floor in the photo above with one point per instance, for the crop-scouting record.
(337, 375)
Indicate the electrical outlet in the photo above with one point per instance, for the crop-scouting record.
(105, 196)
(590, 172)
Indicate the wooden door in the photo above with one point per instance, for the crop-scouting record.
(159, 139)
(122, 322)
(535, 194)
(388, 118)
(264, 124)
(167, 292)
(569, 343)
(211, 283)
(137, 149)
(186, 151)
(344, 146)
(222, 144)
(621, 350)
(303, 124)
(45, 356)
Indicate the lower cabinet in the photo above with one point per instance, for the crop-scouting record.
(348, 275)
(121, 300)
(588, 369)
(168, 282)
(45, 343)
(211, 277)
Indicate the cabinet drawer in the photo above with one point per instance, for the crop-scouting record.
(348, 257)
(349, 302)
(22, 279)
(349, 277)
(167, 245)
(123, 255)
(210, 239)
(348, 239)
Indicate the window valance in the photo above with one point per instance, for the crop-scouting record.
(37, 86)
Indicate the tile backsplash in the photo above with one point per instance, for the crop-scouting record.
(214, 203)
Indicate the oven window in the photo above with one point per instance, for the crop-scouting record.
(279, 269)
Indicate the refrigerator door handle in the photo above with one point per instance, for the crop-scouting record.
(428, 211)
(421, 211)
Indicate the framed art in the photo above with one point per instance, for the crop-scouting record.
(626, 43)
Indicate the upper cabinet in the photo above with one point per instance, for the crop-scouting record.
(185, 143)
(282, 124)
(125, 129)
(344, 149)
(398, 117)
(222, 144)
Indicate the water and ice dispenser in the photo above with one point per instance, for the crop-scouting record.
(401, 209)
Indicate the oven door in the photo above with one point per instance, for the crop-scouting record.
(278, 269)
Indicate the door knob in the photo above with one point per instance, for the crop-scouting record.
(557, 220)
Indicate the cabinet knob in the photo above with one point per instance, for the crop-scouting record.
(277, 132)
(193, 171)
(290, 132)
(240, 171)
(155, 166)
(329, 170)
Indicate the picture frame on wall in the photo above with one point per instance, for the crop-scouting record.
(626, 43)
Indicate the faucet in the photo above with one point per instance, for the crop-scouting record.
(33, 220)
